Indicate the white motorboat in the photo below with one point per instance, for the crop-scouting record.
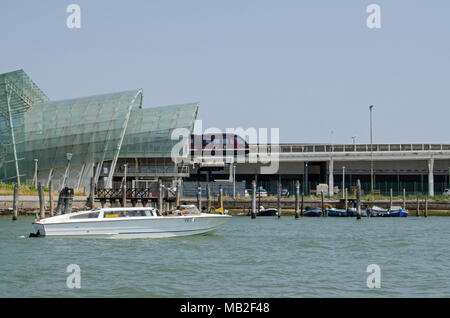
(266, 212)
(392, 211)
(130, 223)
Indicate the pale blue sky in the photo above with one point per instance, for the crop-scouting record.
(306, 67)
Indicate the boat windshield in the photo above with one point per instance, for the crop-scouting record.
(88, 215)
(189, 209)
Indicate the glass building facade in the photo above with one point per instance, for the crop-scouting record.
(36, 133)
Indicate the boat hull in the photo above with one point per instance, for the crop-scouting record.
(267, 212)
(387, 213)
(401, 213)
(332, 212)
(313, 212)
(147, 227)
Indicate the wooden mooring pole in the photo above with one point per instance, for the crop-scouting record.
(346, 199)
(322, 206)
(160, 198)
(417, 205)
(390, 197)
(279, 199)
(358, 199)
(124, 196)
(199, 197)
(297, 195)
(423, 206)
(253, 213)
(177, 194)
(301, 207)
(16, 202)
(68, 199)
(92, 193)
(208, 198)
(50, 198)
(221, 198)
(41, 201)
(425, 212)
(404, 199)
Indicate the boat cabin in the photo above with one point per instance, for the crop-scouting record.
(115, 213)
(133, 212)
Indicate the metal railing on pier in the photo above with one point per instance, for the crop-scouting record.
(131, 193)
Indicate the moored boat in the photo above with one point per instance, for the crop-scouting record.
(394, 211)
(336, 212)
(354, 212)
(130, 223)
(312, 211)
(266, 212)
(397, 211)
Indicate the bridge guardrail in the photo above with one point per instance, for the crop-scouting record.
(299, 148)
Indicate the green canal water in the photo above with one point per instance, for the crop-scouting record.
(266, 257)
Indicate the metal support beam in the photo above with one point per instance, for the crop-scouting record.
(80, 175)
(98, 170)
(119, 145)
(11, 130)
(50, 176)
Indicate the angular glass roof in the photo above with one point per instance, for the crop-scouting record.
(89, 127)
(94, 129)
(149, 131)
(18, 93)
(25, 93)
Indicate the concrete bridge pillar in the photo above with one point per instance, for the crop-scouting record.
(331, 177)
(431, 177)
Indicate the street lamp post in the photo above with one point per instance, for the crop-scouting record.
(354, 142)
(125, 175)
(371, 150)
